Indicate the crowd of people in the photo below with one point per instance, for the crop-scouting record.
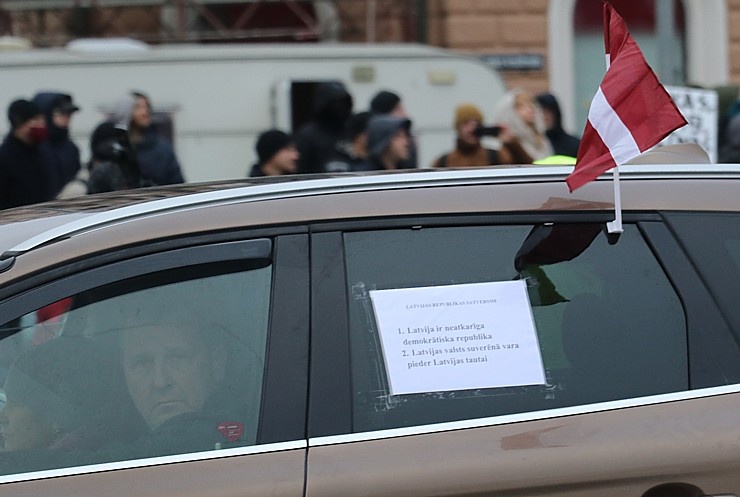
(40, 162)
(528, 128)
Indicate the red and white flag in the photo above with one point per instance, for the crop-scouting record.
(631, 111)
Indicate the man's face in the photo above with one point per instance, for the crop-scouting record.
(466, 132)
(141, 116)
(61, 119)
(398, 148)
(23, 428)
(286, 160)
(169, 371)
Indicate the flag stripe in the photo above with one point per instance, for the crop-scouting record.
(612, 131)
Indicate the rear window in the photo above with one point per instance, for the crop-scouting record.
(595, 322)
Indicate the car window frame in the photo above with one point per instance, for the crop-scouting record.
(284, 396)
(331, 408)
(714, 354)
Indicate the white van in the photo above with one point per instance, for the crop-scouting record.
(220, 97)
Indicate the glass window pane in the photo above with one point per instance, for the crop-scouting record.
(606, 316)
(712, 240)
(168, 363)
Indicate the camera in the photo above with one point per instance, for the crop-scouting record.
(487, 131)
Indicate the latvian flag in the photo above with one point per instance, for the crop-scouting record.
(631, 111)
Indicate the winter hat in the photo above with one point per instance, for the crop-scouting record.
(21, 111)
(384, 102)
(381, 129)
(270, 143)
(465, 113)
(106, 137)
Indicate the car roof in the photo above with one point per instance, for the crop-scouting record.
(24, 229)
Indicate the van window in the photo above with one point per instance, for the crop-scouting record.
(166, 363)
(603, 315)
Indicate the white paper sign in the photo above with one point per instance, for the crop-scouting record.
(701, 109)
(458, 337)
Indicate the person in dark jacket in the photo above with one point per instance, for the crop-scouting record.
(58, 109)
(387, 143)
(155, 156)
(317, 139)
(562, 142)
(24, 166)
(351, 152)
(113, 163)
(276, 154)
(388, 102)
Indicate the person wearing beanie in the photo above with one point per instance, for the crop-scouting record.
(470, 152)
(276, 154)
(25, 175)
(58, 109)
(387, 143)
(387, 102)
(113, 164)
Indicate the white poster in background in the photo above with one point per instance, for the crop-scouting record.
(458, 337)
(701, 110)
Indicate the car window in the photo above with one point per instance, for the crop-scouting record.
(712, 241)
(165, 363)
(592, 322)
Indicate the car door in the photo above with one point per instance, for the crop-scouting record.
(177, 368)
(517, 355)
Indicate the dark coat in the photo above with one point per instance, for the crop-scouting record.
(157, 161)
(256, 171)
(316, 140)
(109, 176)
(64, 154)
(24, 174)
(562, 142)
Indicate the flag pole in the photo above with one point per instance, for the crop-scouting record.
(616, 225)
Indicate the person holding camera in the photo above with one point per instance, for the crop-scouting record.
(470, 152)
(113, 163)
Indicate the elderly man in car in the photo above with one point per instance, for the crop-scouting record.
(175, 374)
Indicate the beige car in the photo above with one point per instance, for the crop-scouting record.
(426, 333)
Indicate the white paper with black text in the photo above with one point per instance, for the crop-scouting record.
(458, 337)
